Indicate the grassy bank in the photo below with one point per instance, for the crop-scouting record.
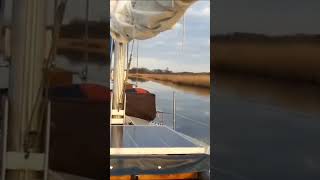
(280, 59)
(197, 80)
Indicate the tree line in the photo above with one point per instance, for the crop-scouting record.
(144, 70)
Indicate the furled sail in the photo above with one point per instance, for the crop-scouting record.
(144, 19)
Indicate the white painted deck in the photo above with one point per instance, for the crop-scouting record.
(136, 121)
(152, 140)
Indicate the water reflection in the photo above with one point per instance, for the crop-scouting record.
(192, 110)
(187, 89)
(265, 129)
(301, 97)
(138, 79)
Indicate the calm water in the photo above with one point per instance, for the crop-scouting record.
(192, 107)
(193, 104)
(265, 129)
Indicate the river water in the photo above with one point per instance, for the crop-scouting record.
(192, 107)
(265, 129)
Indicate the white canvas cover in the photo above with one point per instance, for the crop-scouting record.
(132, 152)
(144, 19)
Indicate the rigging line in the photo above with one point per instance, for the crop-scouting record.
(131, 53)
(112, 47)
(183, 37)
(44, 84)
(187, 118)
(126, 65)
(183, 32)
(85, 71)
(128, 53)
(137, 63)
(129, 59)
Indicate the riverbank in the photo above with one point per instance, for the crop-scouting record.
(196, 80)
(280, 59)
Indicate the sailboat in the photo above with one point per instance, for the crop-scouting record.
(139, 149)
(31, 118)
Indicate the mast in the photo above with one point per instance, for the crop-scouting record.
(25, 92)
(118, 95)
(125, 26)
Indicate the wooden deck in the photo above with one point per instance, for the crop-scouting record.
(185, 176)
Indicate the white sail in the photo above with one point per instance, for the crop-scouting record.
(144, 19)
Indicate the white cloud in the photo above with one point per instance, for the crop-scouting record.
(203, 13)
(166, 49)
(206, 11)
(156, 43)
(194, 55)
(156, 63)
(199, 11)
(177, 26)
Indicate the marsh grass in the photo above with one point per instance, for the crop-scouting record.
(197, 80)
(291, 60)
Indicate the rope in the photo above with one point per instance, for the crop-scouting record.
(137, 64)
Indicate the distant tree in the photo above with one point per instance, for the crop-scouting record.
(147, 71)
(139, 70)
(157, 71)
(167, 71)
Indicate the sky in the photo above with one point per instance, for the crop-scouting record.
(272, 17)
(165, 50)
(179, 53)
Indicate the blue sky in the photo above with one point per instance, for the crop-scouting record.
(166, 49)
(272, 17)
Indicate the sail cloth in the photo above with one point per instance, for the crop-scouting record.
(144, 19)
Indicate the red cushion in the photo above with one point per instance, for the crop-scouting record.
(141, 91)
(95, 92)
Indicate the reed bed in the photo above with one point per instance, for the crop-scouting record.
(290, 60)
(197, 80)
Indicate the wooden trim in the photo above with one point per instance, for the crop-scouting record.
(120, 178)
(181, 176)
(169, 176)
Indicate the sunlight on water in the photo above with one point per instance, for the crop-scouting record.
(192, 107)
